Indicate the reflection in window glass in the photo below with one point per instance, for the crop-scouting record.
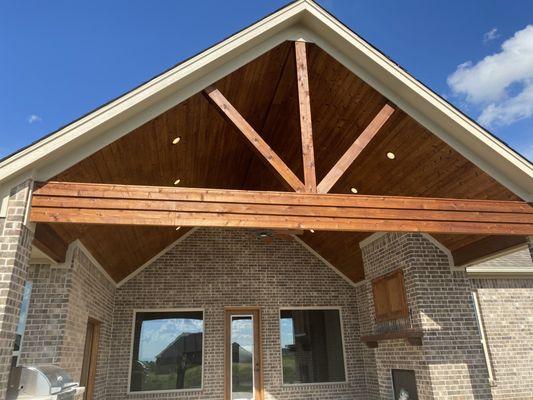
(242, 358)
(21, 326)
(311, 346)
(167, 351)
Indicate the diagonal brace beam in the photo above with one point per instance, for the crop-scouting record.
(254, 139)
(355, 149)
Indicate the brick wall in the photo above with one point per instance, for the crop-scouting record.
(450, 364)
(506, 310)
(15, 244)
(46, 320)
(62, 300)
(216, 268)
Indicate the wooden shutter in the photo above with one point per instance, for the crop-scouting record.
(389, 297)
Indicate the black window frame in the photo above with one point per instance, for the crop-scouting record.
(342, 350)
(155, 314)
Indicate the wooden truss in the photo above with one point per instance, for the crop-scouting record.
(308, 206)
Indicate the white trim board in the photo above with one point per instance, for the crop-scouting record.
(154, 258)
(78, 243)
(509, 273)
(301, 19)
(377, 235)
(327, 263)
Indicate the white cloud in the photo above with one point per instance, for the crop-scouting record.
(33, 118)
(488, 82)
(510, 110)
(491, 35)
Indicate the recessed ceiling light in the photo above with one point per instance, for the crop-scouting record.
(176, 140)
(353, 190)
(178, 228)
(177, 181)
(391, 155)
(312, 230)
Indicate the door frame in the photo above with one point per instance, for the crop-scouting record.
(258, 367)
(93, 357)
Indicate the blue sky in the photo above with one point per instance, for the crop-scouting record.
(63, 58)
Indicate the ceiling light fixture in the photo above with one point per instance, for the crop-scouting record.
(312, 230)
(353, 190)
(177, 181)
(176, 140)
(391, 155)
(178, 228)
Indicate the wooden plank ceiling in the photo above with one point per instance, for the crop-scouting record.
(212, 154)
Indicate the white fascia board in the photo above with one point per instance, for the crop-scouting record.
(107, 124)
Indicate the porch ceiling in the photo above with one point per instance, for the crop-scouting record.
(213, 154)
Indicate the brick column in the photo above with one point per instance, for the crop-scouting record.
(15, 246)
(450, 363)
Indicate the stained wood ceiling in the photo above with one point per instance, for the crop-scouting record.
(212, 154)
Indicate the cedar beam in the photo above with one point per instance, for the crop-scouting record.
(306, 127)
(50, 243)
(355, 149)
(254, 139)
(62, 202)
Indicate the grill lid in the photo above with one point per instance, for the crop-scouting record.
(44, 380)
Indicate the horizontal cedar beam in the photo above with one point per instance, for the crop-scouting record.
(80, 190)
(50, 243)
(61, 202)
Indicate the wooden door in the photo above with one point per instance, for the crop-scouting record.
(90, 355)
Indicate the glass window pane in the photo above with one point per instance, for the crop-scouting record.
(167, 351)
(242, 354)
(311, 346)
(21, 326)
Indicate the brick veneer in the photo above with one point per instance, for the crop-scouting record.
(450, 364)
(506, 310)
(15, 245)
(62, 299)
(46, 319)
(216, 268)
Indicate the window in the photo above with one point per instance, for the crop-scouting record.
(311, 346)
(21, 326)
(167, 351)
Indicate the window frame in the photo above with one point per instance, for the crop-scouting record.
(132, 341)
(341, 321)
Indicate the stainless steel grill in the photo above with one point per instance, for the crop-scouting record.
(43, 382)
